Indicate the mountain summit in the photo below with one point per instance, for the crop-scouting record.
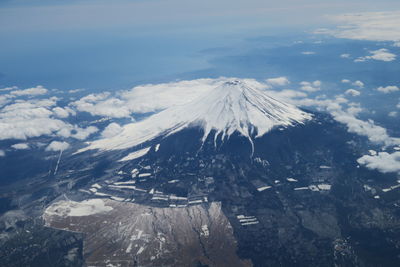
(232, 107)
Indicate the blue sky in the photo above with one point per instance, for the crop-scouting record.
(104, 45)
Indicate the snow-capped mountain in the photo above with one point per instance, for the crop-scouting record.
(232, 107)
(179, 189)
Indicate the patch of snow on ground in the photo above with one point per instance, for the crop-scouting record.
(134, 173)
(101, 194)
(129, 248)
(260, 189)
(324, 186)
(123, 186)
(173, 197)
(141, 249)
(324, 167)
(157, 147)
(367, 187)
(117, 198)
(204, 230)
(247, 220)
(195, 201)
(125, 183)
(96, 186)
(313, 188)
(391, 188)
(301, 188)
(67, 208)
(136, 154)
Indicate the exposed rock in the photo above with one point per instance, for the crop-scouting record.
(130, 234)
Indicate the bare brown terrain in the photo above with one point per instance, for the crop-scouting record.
(129, 234)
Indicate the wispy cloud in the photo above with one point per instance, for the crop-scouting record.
(374, 26)
(311, 86)
(388, 89)
(382, 54)
(278, 81)
(38, 90)
(20, 146)
(352, 92)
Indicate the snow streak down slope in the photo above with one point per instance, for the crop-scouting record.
(231, 107)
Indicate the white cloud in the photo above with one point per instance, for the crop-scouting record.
(31, 118)
(354, 110)
(8, 88)
(310, 86)
(317, 83)
(352, 92)
(308, 53)
(347, 116)
(150, 97)
(4, 99)
(103, 105)
(62, 112)
(287, 95)
(392, 114)
(383, 162)
(73, 91)
(38, 90)
(340, 99)
(24, 119)
(155, 97)
(388, 89)
(2, 153)
(76, 132)
(83, 133)
(359, 84)
(381, 54)
(375, 133)
(345, 55)
(278, 81)
(57, 146)
(373, 26)
(111, 130)
(20, 146)
(369, 129)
